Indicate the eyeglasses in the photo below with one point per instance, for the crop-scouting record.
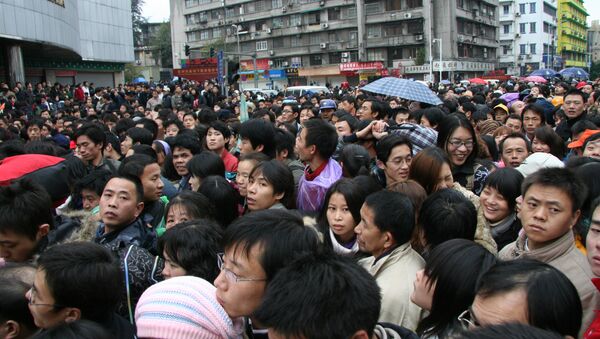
(456, 143)
(467, 319)
(31, 300)
(230, 275)
(285, 111)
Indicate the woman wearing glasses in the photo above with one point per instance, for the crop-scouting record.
(439, 289)
(458, 139)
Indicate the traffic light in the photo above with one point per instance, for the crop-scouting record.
(212, 52)
(187, 50)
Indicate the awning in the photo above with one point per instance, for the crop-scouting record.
(318, 71)
(277, 74)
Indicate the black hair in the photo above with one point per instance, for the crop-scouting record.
(434, 115)
(193, 245)
(560, 178)
(146, 150)
(468, 107)
(355, 160)
(94, 132)
(548, 136)
(447, 127)
(140, 135)
(175, 122)
(83, 275)
(205, 164)
(515, 135)
(535, 108)
(94, 181)
(123, 125)
(222, 128)
(223, 196)
(24, 206)
(490, 142)
(323, 135)
(80, 329)
(453, 293)
(393, 212)
(280, 177)
(589, 177)
(284, 140)
(197, 205)
(280, 234)
(135, 165)
(149, 125)
(507, 181)
(41, 147)
(447, 214)
(260, 132)
(561, 313)
(353, 193)
(188, 142)
(377, 106)
(352, 121)
(13, 304)
(509, 330)
(385, 146)
(575, 91)
(114, 141)
(303, 296)
(135, 180)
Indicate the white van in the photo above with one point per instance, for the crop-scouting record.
(298, 91)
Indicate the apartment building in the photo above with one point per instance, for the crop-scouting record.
(331, 41)
(594, 41)
(572, 33)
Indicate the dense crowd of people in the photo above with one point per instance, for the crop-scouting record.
(172, 211)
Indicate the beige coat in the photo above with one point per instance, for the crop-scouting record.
(395, 274)
(564, 256)
(483, 234)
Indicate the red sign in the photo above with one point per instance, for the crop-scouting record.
(247, 65)
(65, 73)
(205, 61)
(198, 73)
(359, 66)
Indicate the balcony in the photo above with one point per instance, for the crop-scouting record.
(398, 16)
(416, 39)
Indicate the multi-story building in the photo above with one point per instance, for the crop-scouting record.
(330, 41)
(572, 33)
(527, 35)
(148, 57)
(594, 41)
(65, 41)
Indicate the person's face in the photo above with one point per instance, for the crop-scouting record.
(592, 149)
(177, 214)
(535, 92)
(501, 116)
(546, 214)
(422, 294)
(458, 155)
(393, 104)
(261, 195)
(34, 132)
(425, 122)
(118, 203)
(305, 153)
(19, 247)
(215, 141)
(241, 179)
(45, 114)
(246, 146)
(445, 178)
(402, 118)
(514, 124)
(587, 89)
(343, 128)
(398, 165)
(89, 199)
(495, 206)
(539, 146)
(41, 304)
(189, 122)
(306, 114)
(517, 107)
(593, 243)
(326, 113)
(87, 149)
(514, 152)
(348, 107)
(240, 297)
(126, 145)
(559, 90)
(507, 307)
(340, 219)
(365, 111)
(369, 237)
(171, 130)
(531, 121)
(181, 156)
(573, 106)
(152, 183)
(287, 114)
(171, 268)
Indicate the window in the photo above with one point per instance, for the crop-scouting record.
(335, 58)
(314, 18)
(522, 8)
(414, 3)
(532, 27)
(295, 41)
(204, 35)
(277, 22)
(191, 3)
(532, 48)
(415, 26)
(506, 29)
(295, 20)
(333, 14)
(315, 60)
(372, 8)
(278, 43)
(374, 31)
(522, 49)
(353, 37)
(260, 6)
(216, 33)
(351, 12)
(315, 39)
(276, 3)
(505, 49)
(522, 28)
(262, 45)
(334, 36)
(532, 7)
(392, 5)
(549, 10)
(506, 9)
(375, 55)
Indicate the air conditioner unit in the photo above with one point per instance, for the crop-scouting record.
(528, 56)
(517, 14)
(419, 37)
(138, 62)
(252, 36)
(323, 45)
(285, 64)
(324, 25)
(284, 9)
(407, 15)
(345, 54)
(461, 38)
(517, 36)
(345, 60)
(520, 57)
(271, 52)
(268, 30)
(242, 19)
(322, 3)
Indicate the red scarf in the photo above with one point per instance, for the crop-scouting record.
(312, 175)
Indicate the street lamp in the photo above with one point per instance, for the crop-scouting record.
(440, 41)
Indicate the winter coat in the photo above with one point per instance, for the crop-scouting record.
(136, 233)
(593, 332)
(312, 193)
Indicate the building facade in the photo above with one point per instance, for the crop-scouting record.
(594, 41)
(527, 36)
(572, 33)
(331, 41)
(148, 57)
(65, 41)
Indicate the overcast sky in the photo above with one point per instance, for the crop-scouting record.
(158, 10)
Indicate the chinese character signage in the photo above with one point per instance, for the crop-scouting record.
(360, 66)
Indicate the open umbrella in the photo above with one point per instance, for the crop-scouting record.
(446, 82)
(405, 89)
(510, 98)
(139, 80)
(478, 81)
(544, 72)
(574, 72)
(536, 78)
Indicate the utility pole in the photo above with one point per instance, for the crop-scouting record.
(361, 17)
(430, 19)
